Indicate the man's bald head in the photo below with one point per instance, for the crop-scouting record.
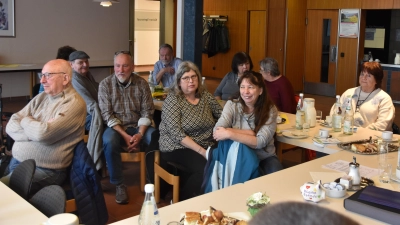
(56, 76)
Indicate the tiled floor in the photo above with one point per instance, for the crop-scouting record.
(131, 170)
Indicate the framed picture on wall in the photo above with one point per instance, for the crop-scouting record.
(7, 18)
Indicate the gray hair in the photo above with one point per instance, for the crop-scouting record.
(183, 68)
(270, 65)
(299, 213)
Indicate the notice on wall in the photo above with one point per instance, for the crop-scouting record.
(147, 20)
(374, 38)
(349, 23)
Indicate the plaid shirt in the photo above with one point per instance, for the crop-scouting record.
(129, 106)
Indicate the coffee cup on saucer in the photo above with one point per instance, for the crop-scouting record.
(387, 135)
(63, 219)
(323, 133)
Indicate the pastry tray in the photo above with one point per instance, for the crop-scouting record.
(347, 146)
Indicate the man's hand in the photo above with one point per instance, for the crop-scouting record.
(135, 143)
(169, 69)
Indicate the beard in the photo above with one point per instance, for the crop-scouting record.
(123, 79)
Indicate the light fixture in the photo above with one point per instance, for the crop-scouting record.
(105, 3)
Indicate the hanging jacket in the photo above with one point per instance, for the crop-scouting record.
(86, 187)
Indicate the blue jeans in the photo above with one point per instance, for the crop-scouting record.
(112, 146)
(270, 165)
(42, 177)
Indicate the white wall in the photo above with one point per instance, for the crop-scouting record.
(42, 26)
(147, 32)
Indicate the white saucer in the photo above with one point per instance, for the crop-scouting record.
(294, 135)
(391, 140)
(394, 178)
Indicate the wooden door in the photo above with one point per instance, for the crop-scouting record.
(257, 37)
(321, 52)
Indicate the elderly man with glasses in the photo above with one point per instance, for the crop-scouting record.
(127, 108)
(48, 128)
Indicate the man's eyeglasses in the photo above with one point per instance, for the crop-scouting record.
(123, 52)
(49, 75)
(193, 78)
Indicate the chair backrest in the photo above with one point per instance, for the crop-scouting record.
(21, 178)
(49, 200)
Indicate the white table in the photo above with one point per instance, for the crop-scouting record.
(16, 210)
(280, 186)
(362, 133)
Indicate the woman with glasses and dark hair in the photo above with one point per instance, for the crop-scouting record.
(188, 117)
(279, 87)
(251, 121)
(228, 88)
(372, 107)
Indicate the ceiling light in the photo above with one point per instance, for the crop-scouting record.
(105, 3)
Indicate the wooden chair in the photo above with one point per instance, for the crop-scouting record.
(137, 157)
(171, 179)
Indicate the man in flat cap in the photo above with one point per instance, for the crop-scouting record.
(84, 83)
(88, 88)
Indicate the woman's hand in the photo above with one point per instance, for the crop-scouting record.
(221, 134)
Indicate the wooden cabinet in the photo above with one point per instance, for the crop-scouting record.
(257, 4)
(334, 4)
(374, 4)
(396, 4)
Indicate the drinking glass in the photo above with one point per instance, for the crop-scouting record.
(382, 152)
(385, 172)
(306, 127)
(318, 116)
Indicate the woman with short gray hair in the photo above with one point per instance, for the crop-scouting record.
(278, 86)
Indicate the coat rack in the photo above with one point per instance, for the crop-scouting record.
(216, 17)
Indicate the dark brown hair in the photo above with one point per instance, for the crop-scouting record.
(263, 104)
(240, 58)
(375, 69)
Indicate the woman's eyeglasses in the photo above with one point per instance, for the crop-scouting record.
(186, 79)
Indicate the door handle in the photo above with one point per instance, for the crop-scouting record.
(333, 53)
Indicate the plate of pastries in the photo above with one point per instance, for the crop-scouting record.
(214, 217)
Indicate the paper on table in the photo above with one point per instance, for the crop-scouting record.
(326, 177)
(343, 166)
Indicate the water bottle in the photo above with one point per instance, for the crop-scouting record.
(348, 118)
(149, 213)
(300, 113)
(337, 116)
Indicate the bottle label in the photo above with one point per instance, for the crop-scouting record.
(337, 122)
(299, 119)
(347, 126)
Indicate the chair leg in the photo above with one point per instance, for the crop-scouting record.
(142, 171)
(156, 178)
(279, 151)
(175, 190)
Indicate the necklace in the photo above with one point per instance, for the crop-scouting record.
(360, 102)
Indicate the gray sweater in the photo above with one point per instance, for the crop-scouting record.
(234, 117)
(50, 144)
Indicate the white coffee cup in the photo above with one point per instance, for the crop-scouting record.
(63, 219)
(387, 135)
(323, 133)
(328, 120)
